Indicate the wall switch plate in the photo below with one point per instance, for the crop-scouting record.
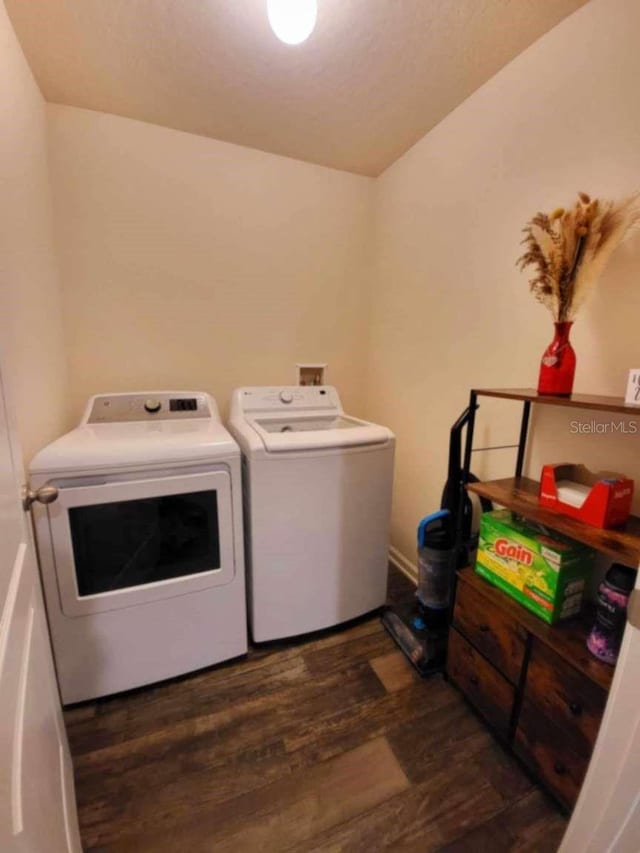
(312, 374)
(632, 397)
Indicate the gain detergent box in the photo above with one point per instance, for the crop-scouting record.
(544, 572)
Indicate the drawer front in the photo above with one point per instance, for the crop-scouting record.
(483, 685)
(545, 750)
(566, 696)
(492, 631)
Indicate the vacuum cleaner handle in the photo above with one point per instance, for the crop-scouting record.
(427, 521)
(455, 445)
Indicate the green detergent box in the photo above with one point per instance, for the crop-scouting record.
(542, 570)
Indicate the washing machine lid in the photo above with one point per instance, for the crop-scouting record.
(316, 431)
(144, 430)
(293, 418)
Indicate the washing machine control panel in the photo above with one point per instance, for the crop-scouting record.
(296, 397)
(163, 405)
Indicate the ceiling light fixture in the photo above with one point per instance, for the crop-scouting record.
(292, 20)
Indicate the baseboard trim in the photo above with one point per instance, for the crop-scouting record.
(409, 569)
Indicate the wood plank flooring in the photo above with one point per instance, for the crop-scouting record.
(331, 743)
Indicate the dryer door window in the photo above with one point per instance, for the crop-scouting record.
(130, 543)
(120, 544)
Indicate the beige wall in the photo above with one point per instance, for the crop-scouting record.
(31, 324)
(192, 263)
(450, 311)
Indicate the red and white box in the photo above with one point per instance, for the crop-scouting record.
(601, 500)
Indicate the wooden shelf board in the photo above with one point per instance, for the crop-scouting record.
(520, 494)
(567, 639)
(576, 401)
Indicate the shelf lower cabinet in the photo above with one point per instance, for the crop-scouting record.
(492, 631)
(509, 668)
(541, 745)
(482, 683)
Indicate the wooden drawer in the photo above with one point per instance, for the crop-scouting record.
(483, 685)
(492, 631)
(544, 748)
(566, 696)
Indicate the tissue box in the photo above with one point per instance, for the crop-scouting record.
(544, 572)
(602, 500)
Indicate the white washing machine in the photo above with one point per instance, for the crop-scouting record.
(138, 518)
(317, 490)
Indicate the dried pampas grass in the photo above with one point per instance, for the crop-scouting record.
(569, 249)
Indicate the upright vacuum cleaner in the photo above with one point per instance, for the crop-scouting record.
(424, 640)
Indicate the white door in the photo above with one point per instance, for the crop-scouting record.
(606, 818)
(37, 800)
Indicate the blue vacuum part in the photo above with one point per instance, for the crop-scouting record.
(426, 522)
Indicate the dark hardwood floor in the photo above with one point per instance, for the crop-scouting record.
(331, 743)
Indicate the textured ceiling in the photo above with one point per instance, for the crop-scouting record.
(372, 79)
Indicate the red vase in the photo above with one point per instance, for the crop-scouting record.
(558, 365)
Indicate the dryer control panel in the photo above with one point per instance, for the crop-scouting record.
(149, 406)
(300, 398)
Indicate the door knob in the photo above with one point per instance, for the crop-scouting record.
(44, 495)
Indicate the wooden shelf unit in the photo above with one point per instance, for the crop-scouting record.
(594, 402)
(520, 494)
(537, 685)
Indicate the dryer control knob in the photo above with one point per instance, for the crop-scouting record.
(152, 406)
(286, 397)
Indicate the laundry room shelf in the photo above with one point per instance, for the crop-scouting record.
(520, 494)
(536, 685)
(595, 402)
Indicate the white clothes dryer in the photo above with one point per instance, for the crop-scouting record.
(317, 491)
(141, 547)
